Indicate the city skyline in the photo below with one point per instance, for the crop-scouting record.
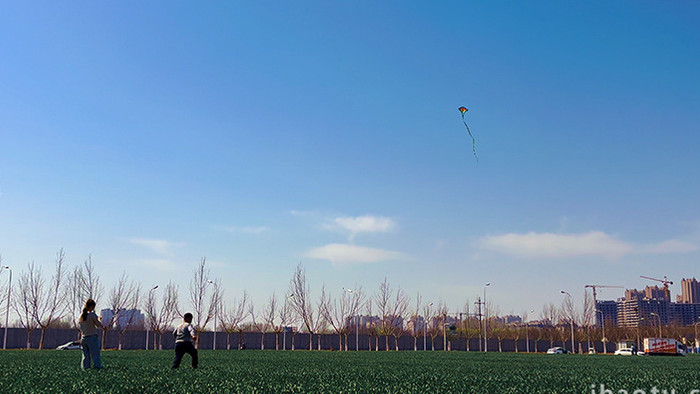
(152, 136)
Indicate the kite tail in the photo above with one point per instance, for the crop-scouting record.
(473, 140)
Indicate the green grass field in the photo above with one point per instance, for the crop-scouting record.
(325, 371)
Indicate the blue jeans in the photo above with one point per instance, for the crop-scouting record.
(91, 350)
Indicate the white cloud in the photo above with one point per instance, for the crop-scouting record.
(594, 243)
(345, 254)
(160, 246)
(670, 246)
(549, 245)
(364, 224)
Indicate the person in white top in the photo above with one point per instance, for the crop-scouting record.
(185, 335)
(89, 323)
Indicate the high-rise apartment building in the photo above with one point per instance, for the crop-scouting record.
(690, 292)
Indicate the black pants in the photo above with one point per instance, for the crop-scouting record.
(185, 347)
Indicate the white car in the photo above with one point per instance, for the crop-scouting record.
(627, 352)
(557, 350)
(75, 345)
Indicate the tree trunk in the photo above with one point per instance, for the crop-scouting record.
(415, 344)
(41, 340)
(228, 341)
(29, 338)
(240, 340)
(262, 341)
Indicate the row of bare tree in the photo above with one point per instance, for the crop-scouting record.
(40, 303)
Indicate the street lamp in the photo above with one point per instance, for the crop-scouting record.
(149, 298)
(486, 320)
(425, 329)
(216, 312)
(444, 331)
(571, 320)
(602, 323)
(658, 317)
(7, 312)
(357, 324)
(527, 334)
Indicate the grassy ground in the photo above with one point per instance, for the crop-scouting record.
(324, 371)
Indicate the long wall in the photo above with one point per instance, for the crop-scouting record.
(17, 339)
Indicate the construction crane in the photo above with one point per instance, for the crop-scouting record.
(665, 281)
(595, 300)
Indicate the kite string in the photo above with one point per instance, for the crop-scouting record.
(473, 140)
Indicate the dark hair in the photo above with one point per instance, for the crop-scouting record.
(89, 304)
(187, 317)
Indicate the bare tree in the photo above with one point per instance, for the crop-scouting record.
(159, 319)
(569, 316)
(269, 317)
(204, 304)
(334, 313)
(233, 317)
(355, 304)
(129, 321)
(399, 308)
(414, 322)
(588, 316)
(26, 299)
(549, 317)
(262, 322)
(371, 329)
(383, 300)
(52, 302)
(119, 300)
(285, 316)
(301, 301)
(92, 287)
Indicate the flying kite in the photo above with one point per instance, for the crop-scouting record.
(464, 110)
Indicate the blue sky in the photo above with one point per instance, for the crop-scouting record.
(260, 135)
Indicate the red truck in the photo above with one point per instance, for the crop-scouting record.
(663, 347)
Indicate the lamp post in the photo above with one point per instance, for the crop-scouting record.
(425, 329)
(527, 334)
(7, 311)
(150, 292)
(486, 320)
(571, 320)
(216, 312)
(444, 331)
(602, 323)
(658, 317)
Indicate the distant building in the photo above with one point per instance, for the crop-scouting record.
(690, 292)
(638, 312)
(606, 314)
(656, 293)
(684, 314)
